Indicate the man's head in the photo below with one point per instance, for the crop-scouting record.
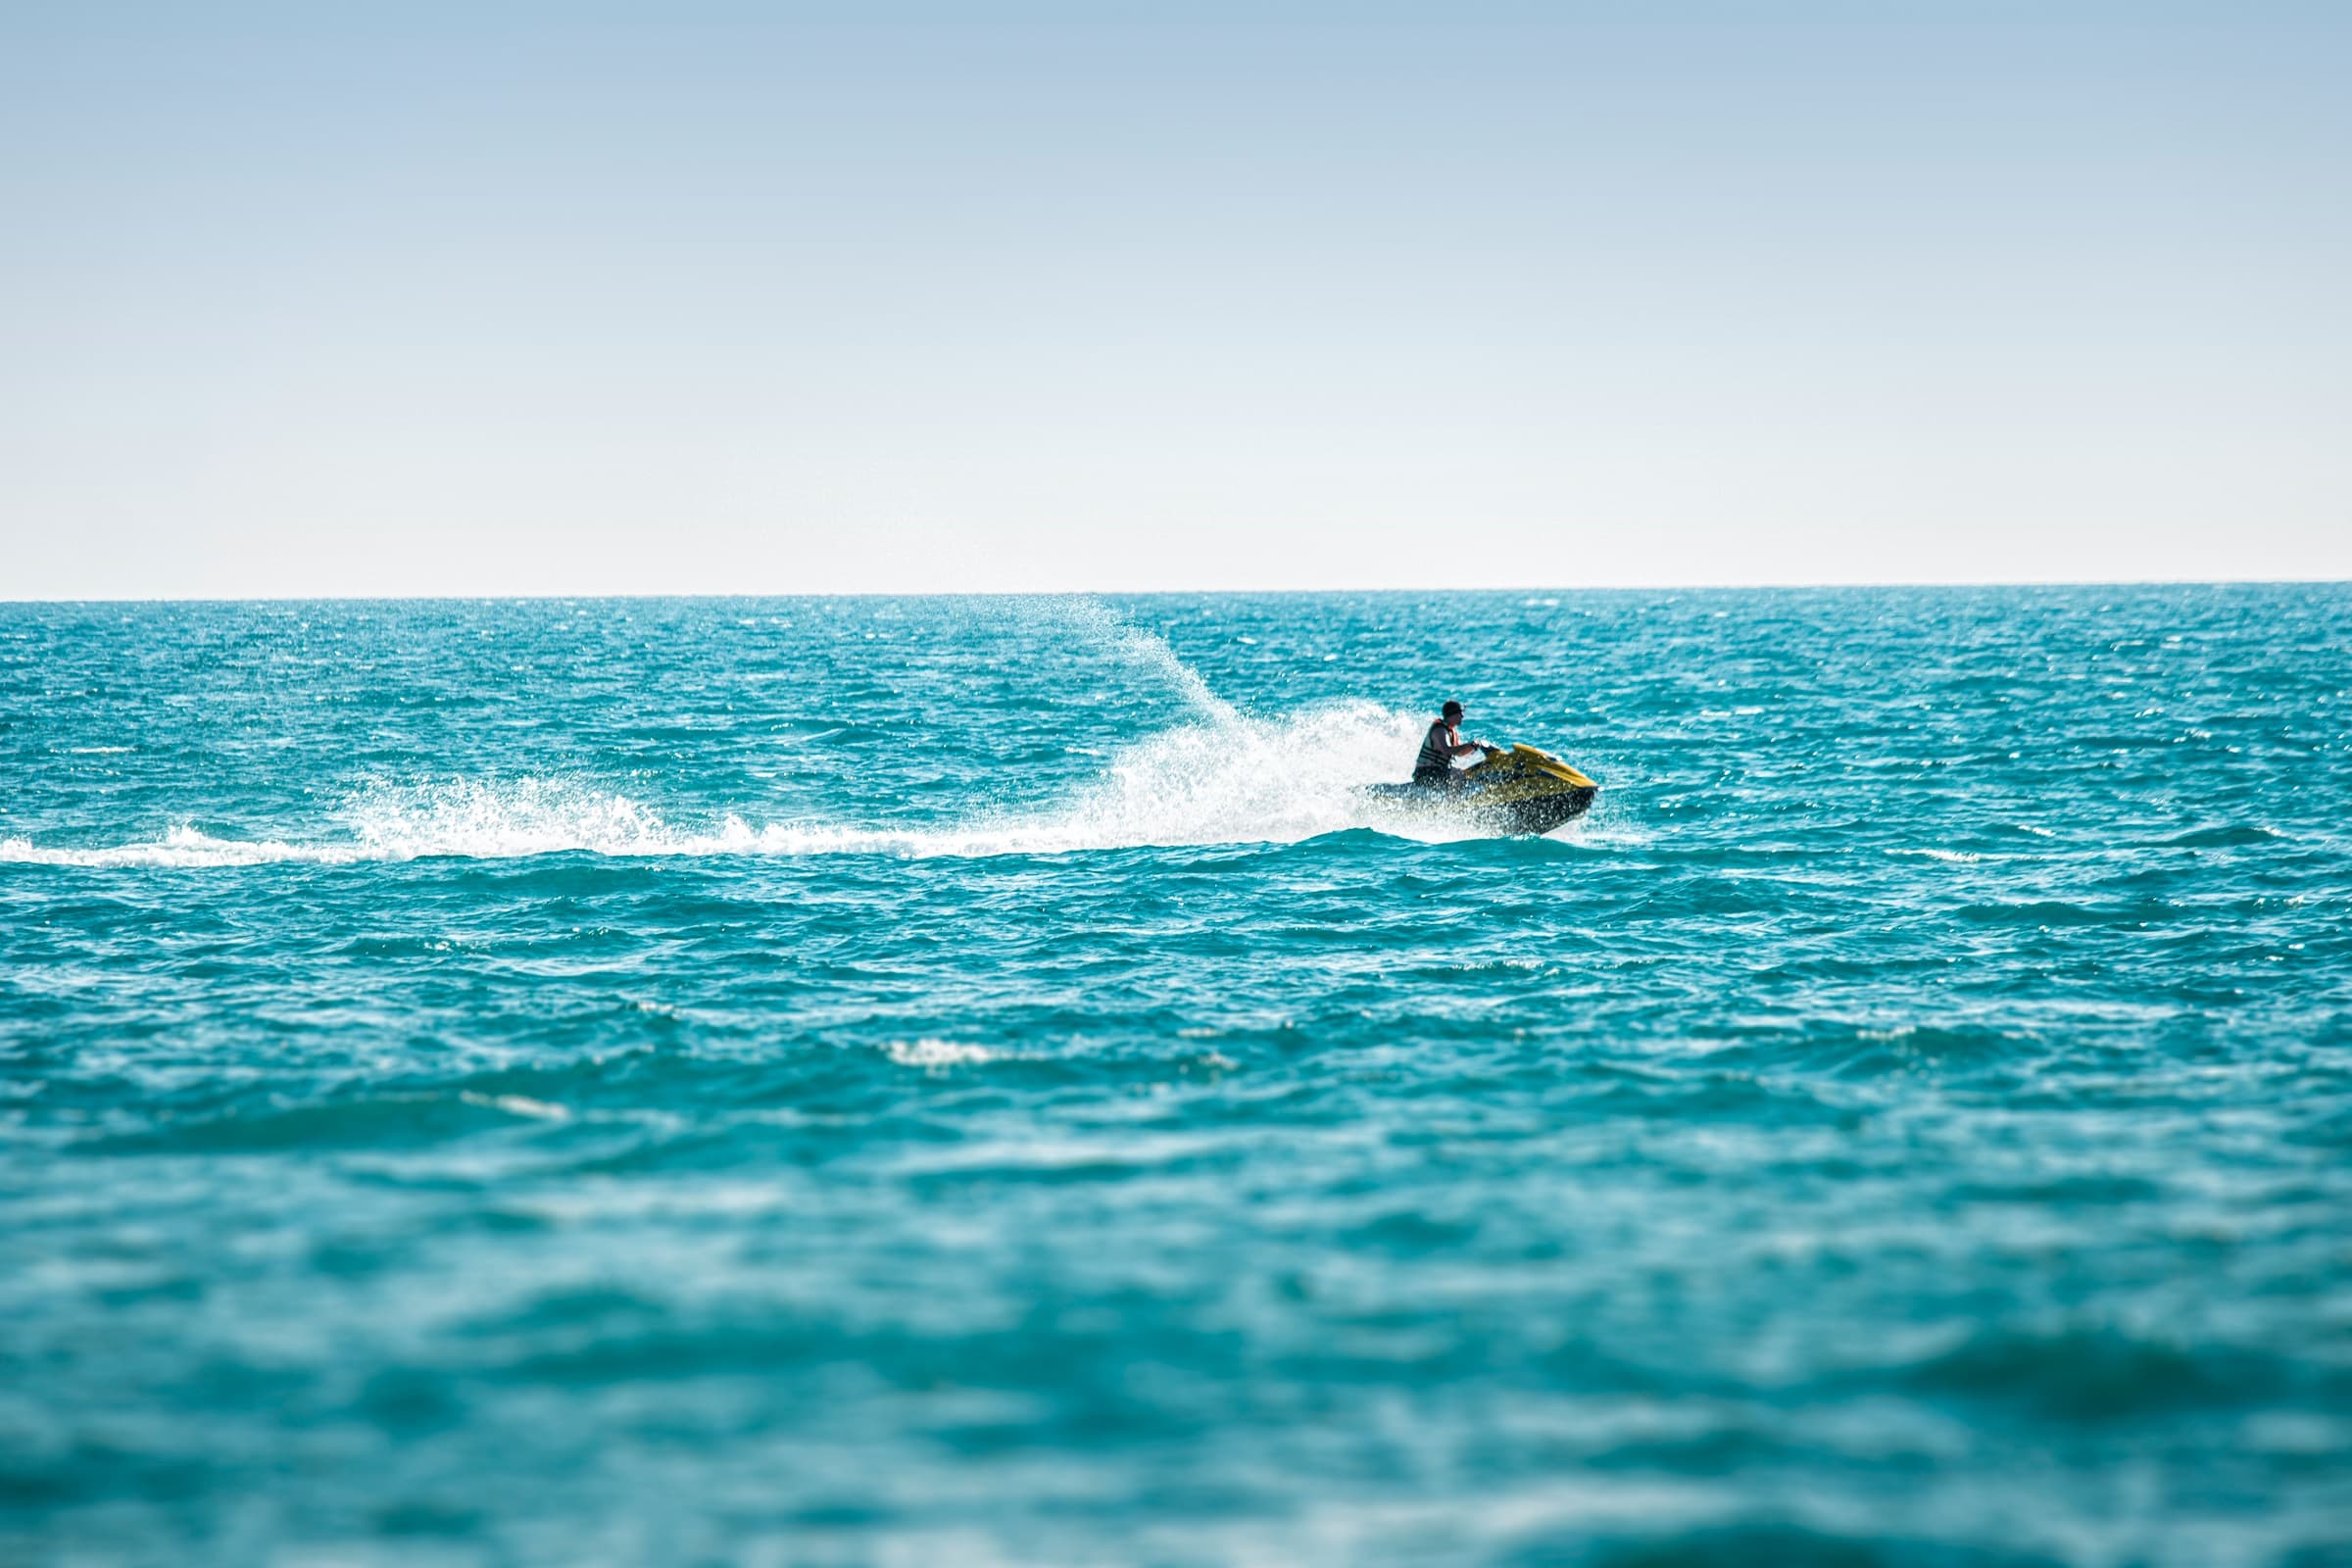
(1453, 712)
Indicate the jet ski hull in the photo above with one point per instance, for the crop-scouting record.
(1543, 812)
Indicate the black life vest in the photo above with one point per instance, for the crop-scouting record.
(1437, 753)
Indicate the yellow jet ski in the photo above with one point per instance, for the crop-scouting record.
(1521, 790)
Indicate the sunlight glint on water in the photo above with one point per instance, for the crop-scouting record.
(974, 1080)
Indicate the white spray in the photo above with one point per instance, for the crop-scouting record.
(1222, 776)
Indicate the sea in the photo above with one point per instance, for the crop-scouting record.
(971, 1081)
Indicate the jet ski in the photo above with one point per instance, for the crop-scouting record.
(1518, 791)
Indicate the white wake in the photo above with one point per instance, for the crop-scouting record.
(1219, 776)
(1228, 779)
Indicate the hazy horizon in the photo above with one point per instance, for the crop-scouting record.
(655, 597)
(524, 303)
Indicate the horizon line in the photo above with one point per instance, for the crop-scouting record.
(546, 595)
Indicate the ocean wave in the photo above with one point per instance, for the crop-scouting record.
(2097, 1374)
(934, 1054)
(2237, 837)
(180, 847)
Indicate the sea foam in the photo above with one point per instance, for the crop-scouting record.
(1214, 777)
(1223, 777)
(1218, 775)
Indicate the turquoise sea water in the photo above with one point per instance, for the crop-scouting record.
(963, 1081)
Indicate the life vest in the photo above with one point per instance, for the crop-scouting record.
(1437, 754)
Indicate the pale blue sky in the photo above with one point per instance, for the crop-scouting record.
(466, 299)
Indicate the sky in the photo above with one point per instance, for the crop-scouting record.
(480, 299)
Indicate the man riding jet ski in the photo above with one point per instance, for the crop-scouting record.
(1521, 790)
(1433, 767)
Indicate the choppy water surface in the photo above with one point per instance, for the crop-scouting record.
(964, 1081)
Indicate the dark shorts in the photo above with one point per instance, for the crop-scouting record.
(1434, 778)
